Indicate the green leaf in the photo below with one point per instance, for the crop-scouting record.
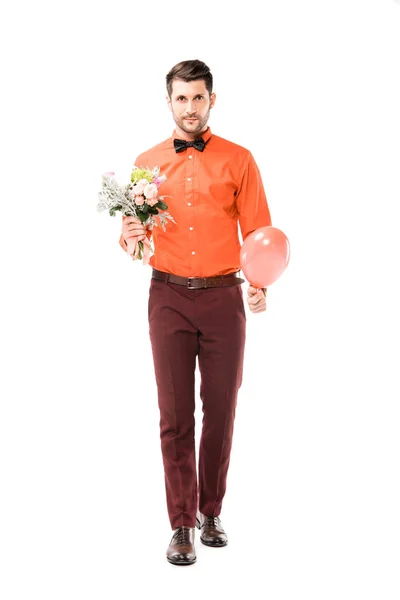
(161, 205)
(113, 210)
(143, 217)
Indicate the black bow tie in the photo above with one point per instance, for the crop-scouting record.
(198, 143)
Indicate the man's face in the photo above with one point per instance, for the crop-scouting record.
(190, 104)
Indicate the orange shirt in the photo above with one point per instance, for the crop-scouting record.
(208, 193)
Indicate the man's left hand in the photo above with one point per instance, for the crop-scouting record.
(256, 299)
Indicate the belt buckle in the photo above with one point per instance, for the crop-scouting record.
(189, 287)
(204, 284)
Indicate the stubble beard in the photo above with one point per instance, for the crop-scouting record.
(202, 122)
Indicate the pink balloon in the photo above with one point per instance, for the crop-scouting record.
(264, 256)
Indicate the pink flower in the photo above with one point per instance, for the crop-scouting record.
(152, 201)
(150, 191)
(109, 174)
(138, 188)
(157, 181)
(139, 200)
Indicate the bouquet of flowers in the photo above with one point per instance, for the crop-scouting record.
(140, 199)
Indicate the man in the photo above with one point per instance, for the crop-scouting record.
(196, 304)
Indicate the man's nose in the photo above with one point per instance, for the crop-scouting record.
(190, 108)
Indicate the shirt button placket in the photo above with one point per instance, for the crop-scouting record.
(189, 196)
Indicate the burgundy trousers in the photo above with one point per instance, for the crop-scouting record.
(210, 324)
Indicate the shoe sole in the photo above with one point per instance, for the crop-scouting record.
(213, 545)
(181, 564)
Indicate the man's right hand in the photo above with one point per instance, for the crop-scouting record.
(132, 229)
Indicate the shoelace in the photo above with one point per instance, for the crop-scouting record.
(211, 521)
(182, 535)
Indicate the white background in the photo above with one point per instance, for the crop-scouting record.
(311, 508)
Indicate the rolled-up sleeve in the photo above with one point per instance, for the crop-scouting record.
(251, 200)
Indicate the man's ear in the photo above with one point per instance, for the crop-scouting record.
(169, 102)
(213, 98)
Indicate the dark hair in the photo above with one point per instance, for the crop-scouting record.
(190, 70)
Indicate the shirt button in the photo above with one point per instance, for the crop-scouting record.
(190, 228)
(188, 178)
(189, 204)
(193, 252)
(190, 156)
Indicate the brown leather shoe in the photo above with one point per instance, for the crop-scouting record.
(181, 548)
(212, 533)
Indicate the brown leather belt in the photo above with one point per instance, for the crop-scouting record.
(195, 283)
